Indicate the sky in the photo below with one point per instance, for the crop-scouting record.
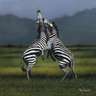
(50, 8)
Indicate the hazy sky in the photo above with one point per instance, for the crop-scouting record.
(51, 8)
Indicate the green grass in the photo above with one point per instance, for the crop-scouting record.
(46, 78)
(19, 86)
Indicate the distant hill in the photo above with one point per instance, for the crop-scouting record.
(15, 30)
(77, 29)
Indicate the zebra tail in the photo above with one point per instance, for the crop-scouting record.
(23, 66)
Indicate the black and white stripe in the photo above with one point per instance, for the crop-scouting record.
(61, 53)
(36, 49)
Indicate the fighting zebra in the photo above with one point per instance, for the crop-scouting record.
(60, 52)
(37, 48)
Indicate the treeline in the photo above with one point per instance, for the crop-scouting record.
(15, 46)
(72, 46)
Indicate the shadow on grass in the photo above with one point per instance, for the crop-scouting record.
(89, 75)
(43, 76)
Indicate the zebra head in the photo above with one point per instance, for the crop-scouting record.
(51, 29)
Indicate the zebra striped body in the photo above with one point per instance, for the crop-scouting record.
(36, 49)
(61, 53)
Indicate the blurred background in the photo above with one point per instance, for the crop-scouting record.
(76, 21)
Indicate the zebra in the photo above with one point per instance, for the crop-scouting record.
(63, 55)
(37, 48)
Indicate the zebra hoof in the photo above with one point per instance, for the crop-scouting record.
(65, 76)
(74, 76)
(70, 75)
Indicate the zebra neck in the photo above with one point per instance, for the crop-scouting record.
(53, 36)
(42, 35)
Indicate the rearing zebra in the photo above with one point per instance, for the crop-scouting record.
(36, 49)
(60, 52)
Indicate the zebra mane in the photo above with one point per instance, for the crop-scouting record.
(56, 28)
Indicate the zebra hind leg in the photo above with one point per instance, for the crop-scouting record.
(29, 70)
(65, 69)
(73, 72)
(68, 72)
(74, 75)
(29, 73)
(29, 67)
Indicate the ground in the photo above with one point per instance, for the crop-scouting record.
(46, 79)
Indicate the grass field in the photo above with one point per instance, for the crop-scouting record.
(46, 79)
